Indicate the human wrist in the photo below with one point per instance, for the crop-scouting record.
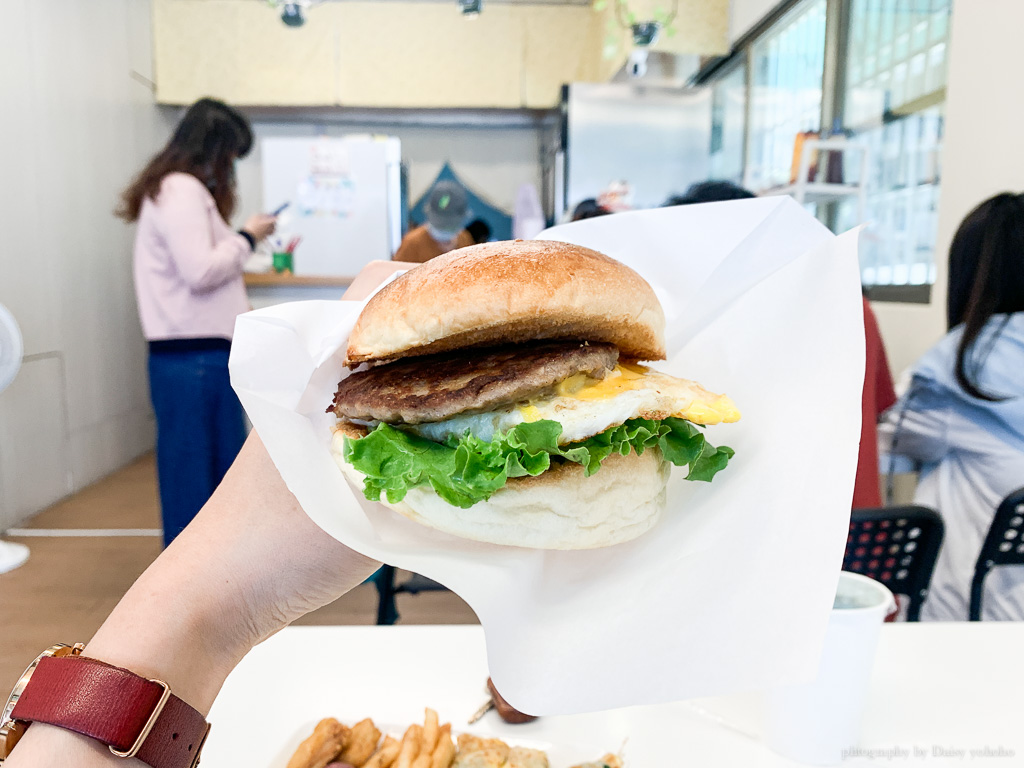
(168, 631)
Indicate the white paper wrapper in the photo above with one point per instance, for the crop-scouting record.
(732, 590)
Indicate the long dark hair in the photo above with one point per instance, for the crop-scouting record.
(986, 278)
(205, 144)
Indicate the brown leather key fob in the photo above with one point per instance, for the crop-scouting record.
(506, 711)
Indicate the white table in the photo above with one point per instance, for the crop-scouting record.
(935, 687)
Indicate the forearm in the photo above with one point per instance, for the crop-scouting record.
(249, 564)
(210, 269)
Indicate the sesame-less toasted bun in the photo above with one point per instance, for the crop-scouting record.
(510, 292)
(559, 509)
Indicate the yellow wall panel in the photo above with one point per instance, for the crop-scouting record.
(558, 49)
(403, 54)
(286, 65)
(194, 49)
(427, 55)
(240, 51)
(702, 26)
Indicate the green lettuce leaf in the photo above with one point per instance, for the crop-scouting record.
(465, 469)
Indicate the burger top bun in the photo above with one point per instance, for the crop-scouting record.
(510, 292)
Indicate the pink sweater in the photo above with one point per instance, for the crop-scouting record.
(188, 264)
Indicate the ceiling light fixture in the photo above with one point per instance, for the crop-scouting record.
(292, 15)
(293, 12)
(471, 8)
(644, 32)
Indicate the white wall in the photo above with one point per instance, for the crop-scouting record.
(78, 120)
(493, 159)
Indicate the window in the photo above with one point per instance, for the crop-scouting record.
(785, 96)
(728, 118)
(890, 95)
(895, 89)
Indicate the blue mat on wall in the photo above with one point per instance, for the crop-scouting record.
(499, 221)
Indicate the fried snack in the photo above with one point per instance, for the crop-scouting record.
(475, 752)
(430, 731)
(410, 746)
(385, 756)
(521, 757)
(326, 743)
(361, 743)
(444, 752)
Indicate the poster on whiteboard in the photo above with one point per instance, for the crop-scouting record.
(343, 196)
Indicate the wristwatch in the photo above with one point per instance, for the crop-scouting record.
(134, 716)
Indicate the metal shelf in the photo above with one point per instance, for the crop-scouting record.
(804, 190)
(816, 191)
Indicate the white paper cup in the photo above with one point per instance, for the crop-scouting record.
(814, 723)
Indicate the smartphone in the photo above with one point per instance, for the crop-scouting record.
(280, 209)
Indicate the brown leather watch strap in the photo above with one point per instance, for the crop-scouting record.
(114, 706)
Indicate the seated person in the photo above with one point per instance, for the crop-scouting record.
(588, 209)
(479, 230)
(962, 420)
(712, 191)
(447, 213)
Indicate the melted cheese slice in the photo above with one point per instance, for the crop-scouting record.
(585, 407)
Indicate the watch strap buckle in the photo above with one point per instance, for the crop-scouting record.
(148, 727)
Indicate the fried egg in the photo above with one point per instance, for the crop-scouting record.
(586, 407)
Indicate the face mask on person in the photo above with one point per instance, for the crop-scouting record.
(441, 235)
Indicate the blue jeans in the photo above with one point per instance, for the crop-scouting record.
(199, 425)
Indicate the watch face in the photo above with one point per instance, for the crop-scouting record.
(11, 731)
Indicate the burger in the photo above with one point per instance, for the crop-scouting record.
(500, 397)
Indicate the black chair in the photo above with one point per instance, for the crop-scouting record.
(384, 579)
(1004, 545)
(897, 546)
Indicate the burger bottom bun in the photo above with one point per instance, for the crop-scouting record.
(559, 509)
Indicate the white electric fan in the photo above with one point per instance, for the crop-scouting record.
(11, 555)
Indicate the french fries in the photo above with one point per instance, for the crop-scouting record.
(410, 746)
(428, 740)
(324, 744)
(430, 730)
(422, 746)
(385, 756)
(444, 753)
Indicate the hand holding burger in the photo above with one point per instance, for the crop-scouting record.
(504, 400)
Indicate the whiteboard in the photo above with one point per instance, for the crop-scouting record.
(344, 196)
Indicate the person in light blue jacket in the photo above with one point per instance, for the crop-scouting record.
(962, 419)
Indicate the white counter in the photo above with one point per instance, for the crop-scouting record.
(269, 288)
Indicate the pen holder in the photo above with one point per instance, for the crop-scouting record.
(283, 262)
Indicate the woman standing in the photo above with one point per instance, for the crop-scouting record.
(188, 281)
(963, 417)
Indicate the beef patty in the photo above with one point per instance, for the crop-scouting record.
(435, 388)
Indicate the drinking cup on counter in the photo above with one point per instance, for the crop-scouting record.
(283, 262)
(815, 722)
